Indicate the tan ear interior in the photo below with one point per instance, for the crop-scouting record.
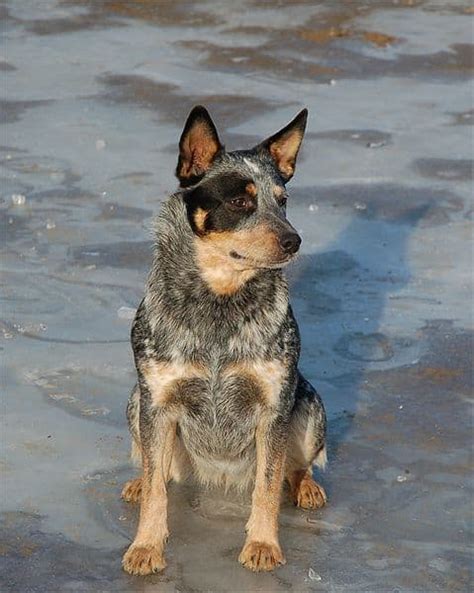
(285, 150)
(198, 150)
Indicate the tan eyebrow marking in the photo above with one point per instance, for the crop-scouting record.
(200, 218)
(251, 189)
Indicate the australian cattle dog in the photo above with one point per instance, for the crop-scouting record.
(216, 346)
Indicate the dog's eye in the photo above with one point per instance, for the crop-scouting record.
(283, 200)
(239, 202)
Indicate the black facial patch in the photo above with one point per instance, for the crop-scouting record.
(220, 203)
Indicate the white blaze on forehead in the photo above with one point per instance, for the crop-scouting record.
(251, 165)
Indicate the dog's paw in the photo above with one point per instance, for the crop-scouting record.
(132, 491)
(258, 556)
(309, 494)
(141, 560)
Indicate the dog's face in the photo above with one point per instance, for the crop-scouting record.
(236, 201)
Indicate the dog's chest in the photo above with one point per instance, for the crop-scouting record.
(217, 409)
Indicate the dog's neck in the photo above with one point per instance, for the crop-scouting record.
(208, 309)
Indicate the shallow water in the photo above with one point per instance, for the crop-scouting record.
(95, 94)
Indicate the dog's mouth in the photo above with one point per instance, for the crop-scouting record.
(255, 263)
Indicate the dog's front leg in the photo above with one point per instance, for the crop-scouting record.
(157, 434)
(262, 550)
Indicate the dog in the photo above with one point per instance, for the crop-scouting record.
(216, 346)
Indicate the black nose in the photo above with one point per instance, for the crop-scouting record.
(290, 243)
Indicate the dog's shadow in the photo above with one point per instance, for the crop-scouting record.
(340, 294)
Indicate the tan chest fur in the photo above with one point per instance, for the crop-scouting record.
(267, 375)
(165, 379)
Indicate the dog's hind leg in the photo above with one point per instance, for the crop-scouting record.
(306, 447)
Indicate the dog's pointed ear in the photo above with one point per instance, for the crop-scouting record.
(198, 147)
(285, 144)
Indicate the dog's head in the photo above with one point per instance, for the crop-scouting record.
(236, 201)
